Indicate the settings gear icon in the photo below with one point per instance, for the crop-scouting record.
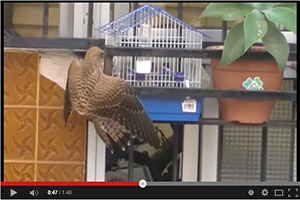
(264, 192)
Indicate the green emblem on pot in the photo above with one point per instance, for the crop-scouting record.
(253, 84)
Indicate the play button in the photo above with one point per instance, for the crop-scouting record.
(12, 192)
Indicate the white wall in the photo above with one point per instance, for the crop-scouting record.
(121, 9)
(66, 19)
(80, 20)
(209, 142)
(190, 153)
(101, 17)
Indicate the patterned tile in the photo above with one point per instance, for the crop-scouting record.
(60, 172)
(50, 93)
(18, 171)
(60, 142)
(20, 77)
(56, 142)
(19, 133)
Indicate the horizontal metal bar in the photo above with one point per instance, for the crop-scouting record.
(74, 43)
(215, 121)
(186, 53)
(221, 122)
(215, 93)
(205, 44)
(56, 43)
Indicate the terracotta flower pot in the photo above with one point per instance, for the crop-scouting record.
(247, 74)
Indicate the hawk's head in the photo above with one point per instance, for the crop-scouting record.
(94, 54)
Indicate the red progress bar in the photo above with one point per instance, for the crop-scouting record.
(7, 183)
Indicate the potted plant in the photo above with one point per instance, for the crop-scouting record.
(257, 22)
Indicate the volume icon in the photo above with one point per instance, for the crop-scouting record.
(34, 193)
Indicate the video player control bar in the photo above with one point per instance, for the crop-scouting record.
(145, 190)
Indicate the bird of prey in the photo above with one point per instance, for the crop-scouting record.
(108, 102)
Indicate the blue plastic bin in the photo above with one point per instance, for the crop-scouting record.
(168, 109)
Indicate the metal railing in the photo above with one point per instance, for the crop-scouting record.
(110, 52)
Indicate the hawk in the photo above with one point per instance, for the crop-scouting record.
(108, 102)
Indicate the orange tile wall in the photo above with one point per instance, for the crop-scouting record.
(37, 144)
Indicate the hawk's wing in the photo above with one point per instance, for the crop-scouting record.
(117, 109)
(71, 91)
(110, 104)
(67, 104)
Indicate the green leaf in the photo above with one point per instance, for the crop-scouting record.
(263, 6)
(276, 45)
(227, 11)
(255, 27)
(293, 6)
(284, 16)
(233, 45)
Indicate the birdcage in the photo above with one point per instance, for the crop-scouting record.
(153, 27)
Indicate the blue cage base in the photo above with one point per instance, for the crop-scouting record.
(169, 109)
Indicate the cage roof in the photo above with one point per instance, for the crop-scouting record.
(138, 17)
